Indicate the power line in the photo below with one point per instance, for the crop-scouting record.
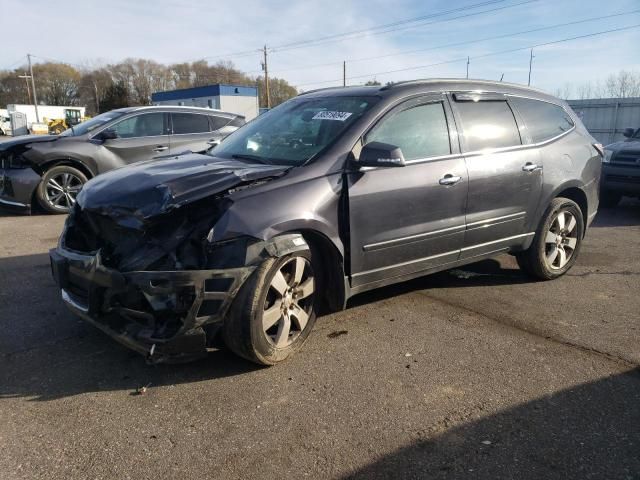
(457, 44)
(464, 59)
(385, 26)
(420, 24)
(21, 60)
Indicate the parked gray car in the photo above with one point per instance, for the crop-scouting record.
(52, 169)
(621, 169)
(330, 194)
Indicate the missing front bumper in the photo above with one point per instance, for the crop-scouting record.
(162, 315)
(167, 316)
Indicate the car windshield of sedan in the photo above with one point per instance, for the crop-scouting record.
(92, 124)
(294, 132)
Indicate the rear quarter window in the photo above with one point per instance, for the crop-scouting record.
(544, 120)
(488, 124)
(189, 123)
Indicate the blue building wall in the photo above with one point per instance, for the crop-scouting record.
(205, 91)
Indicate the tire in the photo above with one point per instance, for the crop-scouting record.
(56, 196)
(244, 328)
(557, 242)
(609, 199)
(57, 130)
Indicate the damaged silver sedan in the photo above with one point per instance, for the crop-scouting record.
(306, 206)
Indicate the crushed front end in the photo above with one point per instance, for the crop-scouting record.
(148, 273)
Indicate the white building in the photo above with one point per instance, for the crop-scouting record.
(228, 98)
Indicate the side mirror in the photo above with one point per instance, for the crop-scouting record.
(107, 134)
(378, 154)
(628, 132)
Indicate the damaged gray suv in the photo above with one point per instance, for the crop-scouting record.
(330, 194)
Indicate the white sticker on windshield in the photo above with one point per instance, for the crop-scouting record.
(329, 115)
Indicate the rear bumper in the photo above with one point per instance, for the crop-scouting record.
(623, 179)
(161, 315)
(17, 186)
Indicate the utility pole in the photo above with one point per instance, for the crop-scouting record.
(265, 67)
(530, 63)
(468, 61)
(33, 87)
(344, 73)
(26, 81)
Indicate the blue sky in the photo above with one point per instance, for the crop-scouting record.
(90, 32)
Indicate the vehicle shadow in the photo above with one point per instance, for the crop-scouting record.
(48, 353)
(626, 214)
(491, 272)
(588, 431)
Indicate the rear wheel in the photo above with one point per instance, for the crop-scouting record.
(609, 199)
(59, 188)
(274, 311)
(556, 243)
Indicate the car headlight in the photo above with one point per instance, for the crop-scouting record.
(607, 156)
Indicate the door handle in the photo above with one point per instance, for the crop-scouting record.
(160, 148)
(449, 179)
(531, 167)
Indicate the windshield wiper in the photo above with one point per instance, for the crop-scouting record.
(247, 156)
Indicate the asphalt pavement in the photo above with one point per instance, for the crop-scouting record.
(477, 372)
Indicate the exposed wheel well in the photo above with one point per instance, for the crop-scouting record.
(333, 296)
(580, 198)
(67, 161)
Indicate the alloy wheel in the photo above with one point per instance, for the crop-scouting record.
(62, 190)
(561, 240)
(289, 302)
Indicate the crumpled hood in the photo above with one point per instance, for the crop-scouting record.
(138, 192)
(25, 139)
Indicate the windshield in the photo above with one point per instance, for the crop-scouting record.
(92, 124)
(294, 132)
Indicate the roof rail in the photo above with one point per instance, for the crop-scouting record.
(330, 88)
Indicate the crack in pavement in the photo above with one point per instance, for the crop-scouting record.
(623, 273)
(538, 333)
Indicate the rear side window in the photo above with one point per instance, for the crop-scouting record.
(145, 125)
(420, 131)
(544, 120)
(488, 124)
(217, 122)
(189, 123)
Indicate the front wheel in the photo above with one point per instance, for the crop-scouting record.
(59, 188)
(556, 243)
(274, 311)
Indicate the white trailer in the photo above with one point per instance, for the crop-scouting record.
(46, 113)
(5, 124)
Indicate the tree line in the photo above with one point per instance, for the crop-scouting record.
(623, 84)
(127, 83)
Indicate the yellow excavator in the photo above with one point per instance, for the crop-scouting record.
(72, 117)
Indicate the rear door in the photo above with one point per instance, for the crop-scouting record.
(192, 132)
(505, 177)
(408, 219)
(140, 137)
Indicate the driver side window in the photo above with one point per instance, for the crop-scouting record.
(420, 131)
(145, 125)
